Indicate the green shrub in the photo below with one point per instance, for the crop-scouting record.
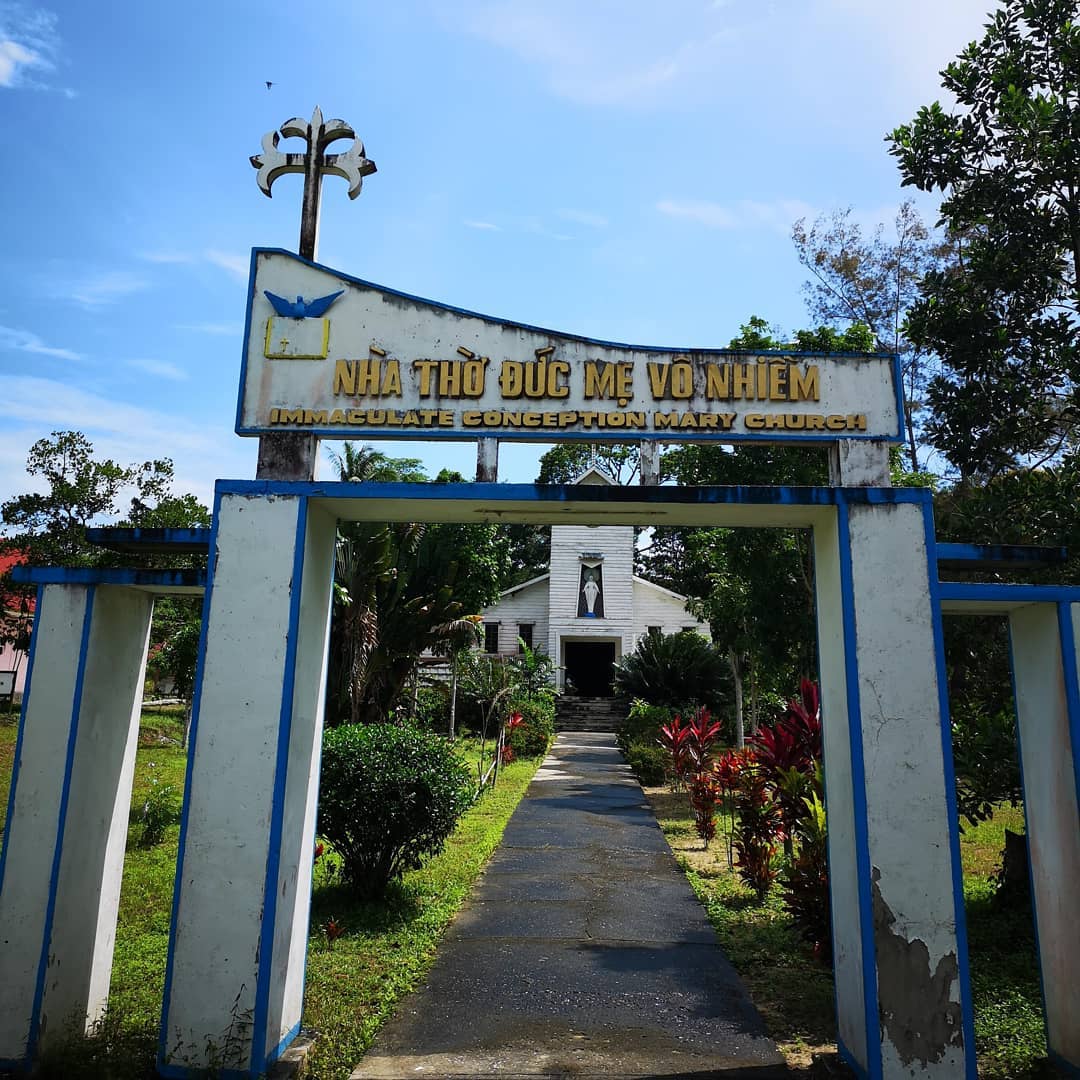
(533, 737)
(648, 761)
(433, 708)
(159, 810)
(389, 797)
(642, 724)
(673, 669)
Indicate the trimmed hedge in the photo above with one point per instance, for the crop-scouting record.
(389, 797)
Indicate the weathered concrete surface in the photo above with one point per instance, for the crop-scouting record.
(582, 952)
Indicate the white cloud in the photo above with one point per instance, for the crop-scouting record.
(28, 43)
(161, 368)
(583, 217)
(485, 225)
(219, 329)
(236, 265)
(102, 289)
(13, 57)
(778, 215)
(168, 258)
(25, 341)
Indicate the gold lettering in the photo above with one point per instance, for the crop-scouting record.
(682, 380)
(658, 379)
(742, 381)
(804, 386)
(778, 387)
(815, 423)
(717, 381)
(665, 420)
(391, 383)
(314, 416)
(512, 379)
(469, 418)
(345, 377)
(762, 381)
(754, 421)
(425, 368)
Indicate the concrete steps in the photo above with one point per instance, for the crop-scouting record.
(575, 713)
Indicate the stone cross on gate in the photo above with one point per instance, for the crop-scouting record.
(292, 455)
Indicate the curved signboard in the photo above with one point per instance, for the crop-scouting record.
(338, 357)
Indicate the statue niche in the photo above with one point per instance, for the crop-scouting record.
(591, 591)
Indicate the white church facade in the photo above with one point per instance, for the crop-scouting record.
(589, 610)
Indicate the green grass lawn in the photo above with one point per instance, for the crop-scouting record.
(352, 984)
(794, 993)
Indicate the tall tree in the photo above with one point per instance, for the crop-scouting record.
(400, 589)
(1005, 317)
(873, 281)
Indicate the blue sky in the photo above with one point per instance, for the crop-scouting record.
(624, 170)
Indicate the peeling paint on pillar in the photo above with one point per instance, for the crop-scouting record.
(915, 1006)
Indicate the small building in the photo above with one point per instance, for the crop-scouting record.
(589, 609)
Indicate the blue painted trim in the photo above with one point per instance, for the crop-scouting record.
(289, 1036)
(193, 540)
(1027, 830)
(848, 1058)
(65, 795)
(1072, 687)
(128, 575)
(858, 787)
(1000, 553)
(967, 1011)
(359, 433)
(602, 495)
(22, 729)
(1018, 594)
(259, 1059)
(200, 666)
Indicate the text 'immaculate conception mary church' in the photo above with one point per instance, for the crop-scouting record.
(589, 609)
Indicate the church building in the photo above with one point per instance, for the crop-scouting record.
(590, 609)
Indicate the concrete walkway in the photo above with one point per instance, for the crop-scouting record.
(582, 951)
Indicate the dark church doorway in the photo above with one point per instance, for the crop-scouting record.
(589, 667)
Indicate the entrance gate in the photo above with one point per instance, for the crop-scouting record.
(381, 365)
(236, 959)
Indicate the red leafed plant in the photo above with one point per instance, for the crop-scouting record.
(704, 794)
(675, 739)
(703, 733)
(757, 828)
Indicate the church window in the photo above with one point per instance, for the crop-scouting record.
(525, 633)
(491, 637)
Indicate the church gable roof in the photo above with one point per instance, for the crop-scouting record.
(594, 476)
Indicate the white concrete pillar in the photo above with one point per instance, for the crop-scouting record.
(903, 1002)
(1043, 638)
(234, 981)
(63, 853)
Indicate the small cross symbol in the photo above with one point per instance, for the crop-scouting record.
(283, 344)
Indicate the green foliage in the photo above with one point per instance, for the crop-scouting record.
(533, 737)
(432, 708)
(400, 588)
(1003, 317)
(642, 724)
(985, 758)
(389, 797)
(805, 879)
(160, 810)
(648, 761)
(531, 671)
(564, 463)
(671, 669)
